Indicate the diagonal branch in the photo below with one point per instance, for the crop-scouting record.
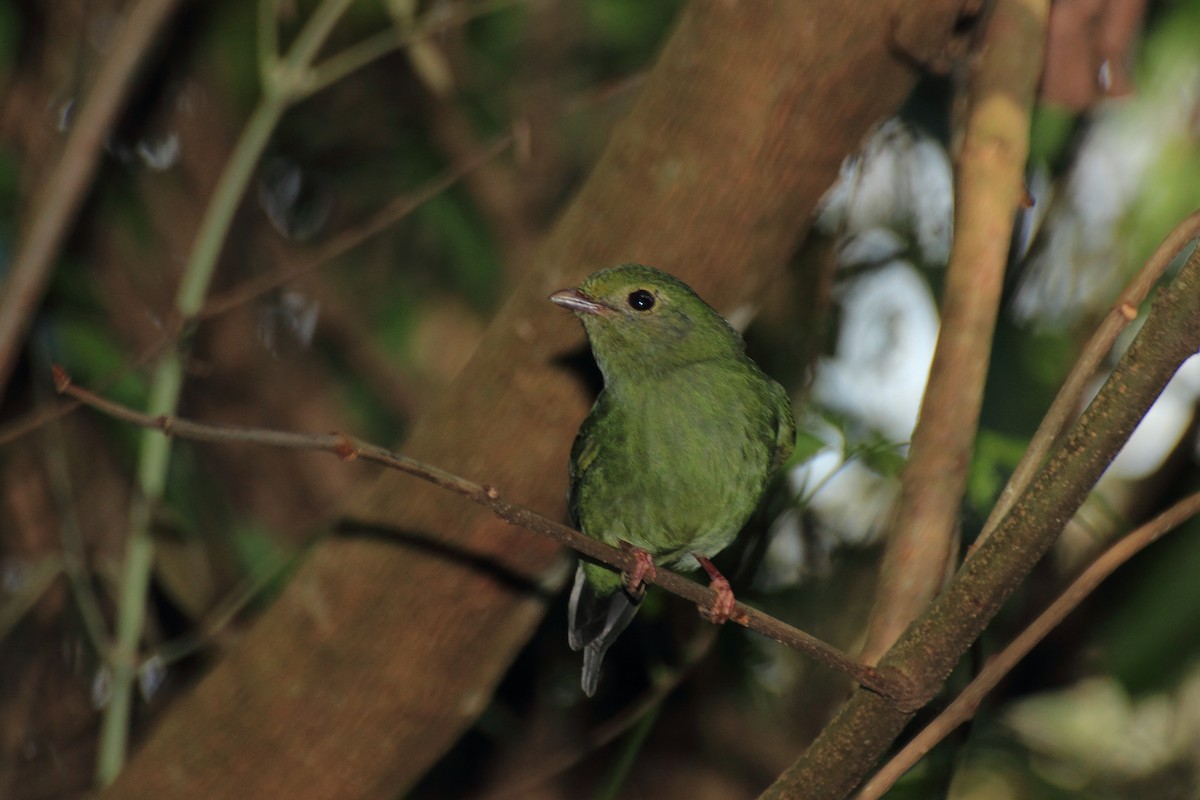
(67, 184)
(351, 449)
(965, 705)
(850, 745)
(1065, 404)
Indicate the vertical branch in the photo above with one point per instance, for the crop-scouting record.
(286, 80)
(279, 91)
(990, 183)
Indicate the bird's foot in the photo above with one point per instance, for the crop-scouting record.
(724, 606)
(635, 581)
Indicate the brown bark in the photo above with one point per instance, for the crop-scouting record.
(383, 649)
(989, 185)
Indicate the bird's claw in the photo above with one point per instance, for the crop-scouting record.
(643, 569)
(724, 605)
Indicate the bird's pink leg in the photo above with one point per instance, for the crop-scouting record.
(642, 569)
(725, 604)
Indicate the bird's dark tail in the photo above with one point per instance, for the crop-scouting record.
(595, 622)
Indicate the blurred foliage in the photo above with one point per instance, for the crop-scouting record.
(1148, 638)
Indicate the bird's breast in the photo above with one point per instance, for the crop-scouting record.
(680, 465)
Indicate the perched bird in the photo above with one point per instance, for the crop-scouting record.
(677, 451)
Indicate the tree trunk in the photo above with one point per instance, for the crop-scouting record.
(391, 637)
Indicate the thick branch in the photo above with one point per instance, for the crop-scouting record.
(866, 726)
(1069, 397)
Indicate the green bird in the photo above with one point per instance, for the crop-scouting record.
(677, 450)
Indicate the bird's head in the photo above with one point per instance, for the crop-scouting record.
(640, 319)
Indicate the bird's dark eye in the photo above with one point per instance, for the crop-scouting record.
(641, 300)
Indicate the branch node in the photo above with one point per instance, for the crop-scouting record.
(1128, 311)
(904, 693)
(62, 380)
(344, 448)
(491, 491)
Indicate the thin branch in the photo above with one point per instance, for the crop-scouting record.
(23, 426)
(216, 620)
(267, 40)
(357, 56)
(922, 543)
(347, 240)
(1067, 402)
(350, 449)
(155, 452)
(967, 703)
(308, 43)
(67, 185)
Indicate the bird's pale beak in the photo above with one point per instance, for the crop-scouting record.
(579, 302)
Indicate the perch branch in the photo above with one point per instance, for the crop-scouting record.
(348, 448)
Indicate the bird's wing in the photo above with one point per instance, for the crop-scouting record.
(583, 453)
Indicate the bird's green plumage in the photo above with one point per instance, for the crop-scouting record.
(680, 445)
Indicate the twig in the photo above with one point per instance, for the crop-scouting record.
(357, 56)
(965, 705)
(990, 183)
(215, 621)
(401, 206)
(1067, 402)
(68, 183)
(619, 772)
(23, 426)
(890, 685)
(381, 220)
